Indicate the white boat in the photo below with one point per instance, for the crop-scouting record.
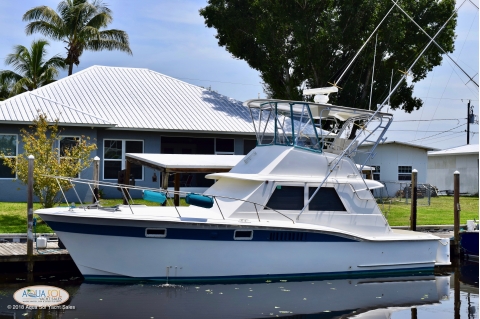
(295, 206)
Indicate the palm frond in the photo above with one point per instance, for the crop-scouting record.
(54, 31)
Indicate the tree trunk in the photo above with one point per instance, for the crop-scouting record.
(70, 69)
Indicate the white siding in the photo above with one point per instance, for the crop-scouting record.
(390, 156)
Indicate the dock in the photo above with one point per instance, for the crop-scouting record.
(17, 252)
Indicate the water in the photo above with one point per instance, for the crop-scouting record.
(423, 296)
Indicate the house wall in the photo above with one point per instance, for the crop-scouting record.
(441, 169)
(13, 191)
(389, 157)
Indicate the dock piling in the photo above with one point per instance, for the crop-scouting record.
(31, 159)
(456, 211)
(413, 210)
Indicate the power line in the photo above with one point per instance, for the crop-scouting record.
(429, 121)
(422, 131)
(423, 138)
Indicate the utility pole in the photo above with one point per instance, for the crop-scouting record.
(468, 123)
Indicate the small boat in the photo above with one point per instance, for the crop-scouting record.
(469, 240)
(296, 206)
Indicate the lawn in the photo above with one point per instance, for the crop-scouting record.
(440, 211)
(13, 216)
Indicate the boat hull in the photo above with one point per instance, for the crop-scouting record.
(117, 250)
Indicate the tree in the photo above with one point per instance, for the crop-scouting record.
(78, 24)
(5, 88)
(42, 141)
(306, 44)
(33, 70)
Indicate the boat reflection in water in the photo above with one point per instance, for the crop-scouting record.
(345, 298)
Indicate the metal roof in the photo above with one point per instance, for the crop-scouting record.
(461, 150)
(129, 99)
(427, 148)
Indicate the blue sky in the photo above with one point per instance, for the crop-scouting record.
(170, 37)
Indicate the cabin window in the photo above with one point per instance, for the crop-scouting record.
(404, 173)
(326, 199)
(243, 235)
(376, 173)
(8, 146)
(224, 146)
(155, 232)
(287, 198)
(114, 158)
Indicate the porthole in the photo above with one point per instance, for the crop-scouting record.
(243, 235)
(155, 232)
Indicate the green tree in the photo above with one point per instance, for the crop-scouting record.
(78, 23)
(306, 44)
(33, 70)
(5, 88)
(42, 141)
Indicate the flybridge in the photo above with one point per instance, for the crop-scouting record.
(318, 127)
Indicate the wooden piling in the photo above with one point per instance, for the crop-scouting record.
(164, 183)
(413, 209)
(456, 211)
(31, 159)
(176, 197)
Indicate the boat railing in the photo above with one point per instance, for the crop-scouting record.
(125, 190)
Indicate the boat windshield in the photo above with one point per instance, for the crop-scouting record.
(285, 123)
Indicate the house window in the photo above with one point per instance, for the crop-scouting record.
(404, 173)
(66, 143)
(114, 157)
(287, 198)
(8, 146)
(224, 146)
(376, 173)
(248, 145)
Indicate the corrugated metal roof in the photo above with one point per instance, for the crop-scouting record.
(461, 150)
(129, 98)
(427, 148)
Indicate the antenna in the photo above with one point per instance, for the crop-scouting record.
(373, 73)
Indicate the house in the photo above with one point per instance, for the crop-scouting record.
(128, 110)
(442, 164)
(393, 162)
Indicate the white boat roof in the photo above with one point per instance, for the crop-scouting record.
(187, 161)
(342, 113)
(195, 161)
(372, 184)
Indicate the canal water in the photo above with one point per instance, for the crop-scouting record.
(451, 293)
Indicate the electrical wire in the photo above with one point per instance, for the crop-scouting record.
(424, 138)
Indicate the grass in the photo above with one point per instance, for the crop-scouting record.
(13, 216)
(440, 211)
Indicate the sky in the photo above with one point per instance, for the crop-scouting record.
(170, 37)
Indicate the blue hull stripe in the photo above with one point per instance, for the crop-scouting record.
(423, 271)
(196, 234)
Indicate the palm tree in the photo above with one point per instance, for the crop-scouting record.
(5, 88)
(77, 23)
(33, 70)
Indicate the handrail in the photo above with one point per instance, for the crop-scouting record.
(109, 184)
